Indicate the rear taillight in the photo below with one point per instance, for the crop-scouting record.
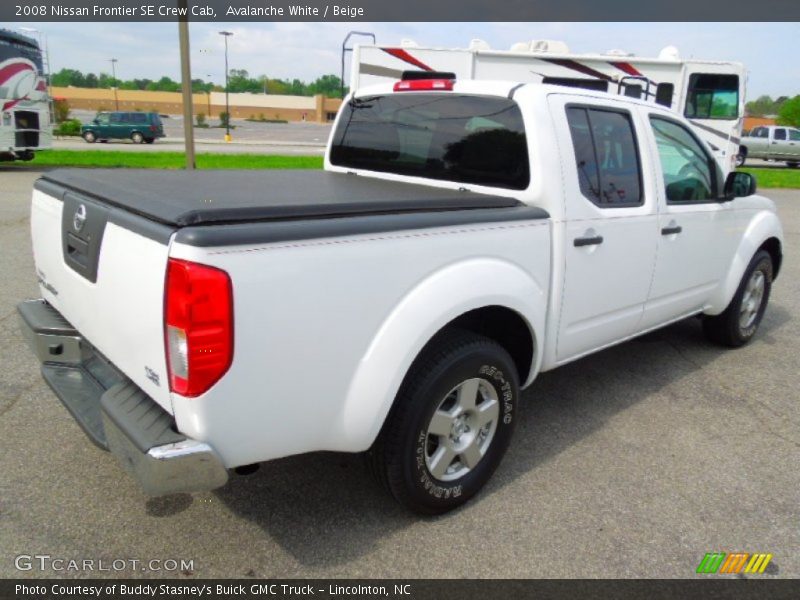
(198, 326)
(153, 128)
(419, 85)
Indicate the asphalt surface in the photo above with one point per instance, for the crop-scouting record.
(633, 462)
(247, 137)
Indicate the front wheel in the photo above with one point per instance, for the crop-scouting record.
(739, 322)
(741, 157)
(793, 164)
(89, 137)
(451, 424)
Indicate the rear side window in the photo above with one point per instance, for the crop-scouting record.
(606, 156)
(138, 118)
(712, 96)
(466, 139)
(780, 134)
(794, 135)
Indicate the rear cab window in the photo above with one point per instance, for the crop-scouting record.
(453, 137)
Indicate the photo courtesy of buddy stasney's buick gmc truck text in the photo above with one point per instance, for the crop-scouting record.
(464, 237)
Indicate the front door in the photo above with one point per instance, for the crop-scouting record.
(698, 233)
(609, 234)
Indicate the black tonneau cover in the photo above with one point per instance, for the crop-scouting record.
(186, 198)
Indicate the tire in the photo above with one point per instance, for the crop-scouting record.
(451, 424)
(741, 158)
(89, 137)
(149, 140)
(739, 322)
(792, 164)
(137, 138)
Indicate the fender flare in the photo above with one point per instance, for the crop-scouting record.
(763, 226)
(411, 325)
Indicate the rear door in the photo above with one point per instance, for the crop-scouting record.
(794, 145)
(779, 146)
(610, 226)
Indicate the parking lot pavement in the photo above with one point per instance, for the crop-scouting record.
(633, 462)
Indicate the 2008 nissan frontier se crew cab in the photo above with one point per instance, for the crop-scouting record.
(463, 238)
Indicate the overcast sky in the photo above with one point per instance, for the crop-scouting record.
(306, 50)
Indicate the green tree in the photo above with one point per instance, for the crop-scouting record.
(789, 112)
(327, 85)
(761, 106)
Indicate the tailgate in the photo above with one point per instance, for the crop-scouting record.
(103, 269)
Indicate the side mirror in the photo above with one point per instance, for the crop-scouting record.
(738, 185)
(96, 121)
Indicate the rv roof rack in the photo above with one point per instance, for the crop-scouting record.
(418, 75)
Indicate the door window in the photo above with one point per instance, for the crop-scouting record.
(103, 119)
(780, 134)
(687, 167)
(606, 156)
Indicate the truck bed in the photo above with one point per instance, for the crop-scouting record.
(212, 197)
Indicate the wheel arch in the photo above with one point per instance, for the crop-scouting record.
(764, 232)
(515, 301)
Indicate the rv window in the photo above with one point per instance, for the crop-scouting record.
(664, 93)
(606, 156)
(467, 139)
(712, 96)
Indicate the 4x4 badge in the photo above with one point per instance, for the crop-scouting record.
(80, 218)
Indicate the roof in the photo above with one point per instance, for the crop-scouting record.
(13, 36)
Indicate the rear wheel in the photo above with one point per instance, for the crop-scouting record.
(793, 164)
(739, 322)
(89, 137)
(451, 424)
(137, 138)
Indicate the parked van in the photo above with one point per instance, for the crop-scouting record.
(135, 126)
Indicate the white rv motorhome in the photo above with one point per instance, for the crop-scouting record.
(25, 124)
(708, 93)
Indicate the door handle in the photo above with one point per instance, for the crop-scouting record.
(671, 230)
(588, 241)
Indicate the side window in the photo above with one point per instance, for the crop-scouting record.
(606, 156)
(103, 118)
(116, 117)
(794, 135)
(138, 118)
(763, 132)
(780, 134)
(712, 96)
(688, 174)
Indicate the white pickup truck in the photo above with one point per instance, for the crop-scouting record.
(463, 238)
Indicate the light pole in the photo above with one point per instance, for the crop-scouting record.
(226, 35)
(114, 62)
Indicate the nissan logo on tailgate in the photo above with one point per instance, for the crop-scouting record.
(80, 218)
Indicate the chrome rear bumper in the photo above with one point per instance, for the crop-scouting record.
(115, 414)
